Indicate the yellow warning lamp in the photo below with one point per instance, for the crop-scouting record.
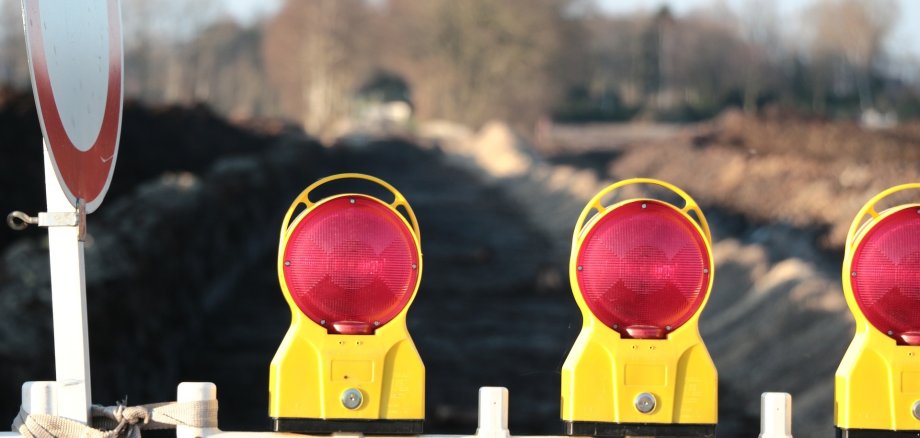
(349, 266)
(641, 272)
(877, 385)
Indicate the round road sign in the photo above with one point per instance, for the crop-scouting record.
(75, 55)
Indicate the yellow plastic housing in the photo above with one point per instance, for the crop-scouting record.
(878, 381)
(312, 368)
(604, 373)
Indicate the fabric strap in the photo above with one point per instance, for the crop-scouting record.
(119, 421)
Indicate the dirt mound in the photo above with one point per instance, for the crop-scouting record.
(777, 320)
(810, 174)
(182, 284)
(154, 140)
(495, 151)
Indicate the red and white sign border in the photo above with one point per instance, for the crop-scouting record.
(85, 175)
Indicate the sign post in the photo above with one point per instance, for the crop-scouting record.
(76, 62)
(68, 306)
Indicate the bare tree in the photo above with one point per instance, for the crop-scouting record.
(709, 60)
(314, 57)
(474, 60)
(759, 24)
(854, 30)
(667, 66)
(228, 70)
(159, 69)
(14, 69)
(612, 44)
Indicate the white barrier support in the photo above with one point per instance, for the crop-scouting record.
(775, 415)
(37, 398)
(204, 391)
(40, 397)
(191, 392)
(493, 413)
(68, 306)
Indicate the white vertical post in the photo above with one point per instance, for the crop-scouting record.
(493, 412)
(192, 392)
(40, 397)
(68, 306)
(775, 415)
(37, 398)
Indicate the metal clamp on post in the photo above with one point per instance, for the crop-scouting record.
(19, 221)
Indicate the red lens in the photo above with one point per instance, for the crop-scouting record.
(885, 275)
(351, 264)
(643, 269)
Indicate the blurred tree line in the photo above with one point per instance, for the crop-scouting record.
(520, 60)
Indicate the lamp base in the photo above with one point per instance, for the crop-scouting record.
(876, 433)
(595, 428)
(367, 427)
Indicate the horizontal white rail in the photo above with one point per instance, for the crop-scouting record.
(42, 398)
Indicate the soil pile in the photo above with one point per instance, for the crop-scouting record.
(181, 264)
(182, 283)
(808, 173)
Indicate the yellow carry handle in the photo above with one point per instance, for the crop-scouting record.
(304, 199)
(869, 210)
(595, 204)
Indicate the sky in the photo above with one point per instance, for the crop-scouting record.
(248, 11)
(905, 40)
